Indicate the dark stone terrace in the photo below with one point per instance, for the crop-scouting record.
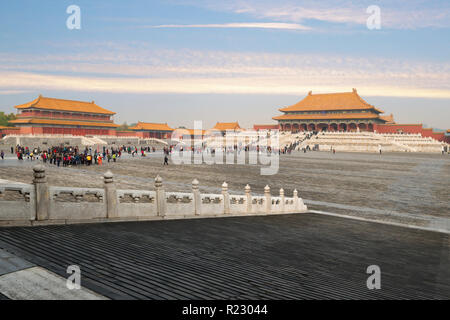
(302, 256)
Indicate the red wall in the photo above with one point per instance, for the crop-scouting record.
(396, 128)
(380, 128)
(72, 131)
(62, 115)
(411, 128)
(125, 134)
(6, 131)
(266, 127)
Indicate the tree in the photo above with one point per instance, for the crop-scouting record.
(5, 118)
(125, 127)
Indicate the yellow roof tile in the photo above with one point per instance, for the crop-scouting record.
(388, 118)
(192, 131)
(64, 105)
(331, 101)
(152, 126)
(227, 126)
(327, 116)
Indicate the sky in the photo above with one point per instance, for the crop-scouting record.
(177, 61)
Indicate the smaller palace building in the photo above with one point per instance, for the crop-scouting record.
(227, 126)
(57, 116)
(345, 111)
(152, 130)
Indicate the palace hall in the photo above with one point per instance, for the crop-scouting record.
(345, 111)
(57, 116)
(152, 130)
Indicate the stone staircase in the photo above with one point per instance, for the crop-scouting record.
(372, 142)
(92, 141)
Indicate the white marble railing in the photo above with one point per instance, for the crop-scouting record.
(39, 203)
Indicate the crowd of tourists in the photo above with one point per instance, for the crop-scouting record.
(68, 155)
(293, 146)
(73, 155)
(224, 150)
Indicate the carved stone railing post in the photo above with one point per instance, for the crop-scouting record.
(296, 206)
(110, 195)
(268, 199)
(302, 205)
(160, 197)
(282, 200)
(226, 198)
(248, 194)
(197, 198)
(41, 192)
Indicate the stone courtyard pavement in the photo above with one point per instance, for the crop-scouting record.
(405, 188)
(297, 256)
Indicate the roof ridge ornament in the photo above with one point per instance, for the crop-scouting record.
(310, 93)
(354, 90)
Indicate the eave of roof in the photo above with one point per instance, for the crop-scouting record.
(331, 101)
(64, 105)
(388, 118)
(327, 116)
(65, 122)
(193, 131)
(227, 126)
(151, 126)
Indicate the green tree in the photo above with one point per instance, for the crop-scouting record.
(5, 118)
(125, 127)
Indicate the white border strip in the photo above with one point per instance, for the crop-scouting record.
(379, 221)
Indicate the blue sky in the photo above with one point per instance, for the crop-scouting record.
(179, 61)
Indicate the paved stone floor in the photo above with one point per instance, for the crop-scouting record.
(300, 256)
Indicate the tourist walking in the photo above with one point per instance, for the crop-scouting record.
(2, 154)
(166, 160)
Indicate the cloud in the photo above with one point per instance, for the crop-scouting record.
(396, 14)
(252, 25)
(141, 70)
(195, 85)
(8, 92)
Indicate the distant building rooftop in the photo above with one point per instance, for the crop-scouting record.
(223, 126)
(64, 105)
(151, 126)
(331, 101)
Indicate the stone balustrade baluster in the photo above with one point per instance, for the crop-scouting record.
(226, 198)
(248, 194)
(160, 197)
(197, 197)
(282, 200)
(268, 199)
(296, 202)
(110, 195)
(41, 192)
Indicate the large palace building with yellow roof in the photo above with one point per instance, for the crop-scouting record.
(345, 111)
(57, 116)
